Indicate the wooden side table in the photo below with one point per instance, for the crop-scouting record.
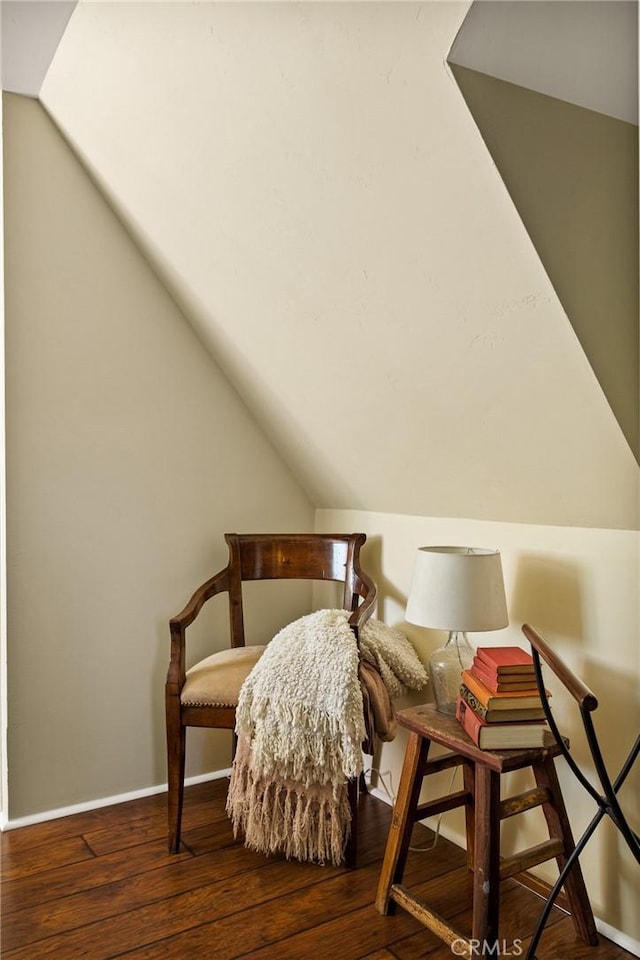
(483, 812)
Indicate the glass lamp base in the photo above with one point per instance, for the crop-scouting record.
(445, 668)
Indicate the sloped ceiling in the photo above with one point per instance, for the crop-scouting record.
(31, 31)
(583, 52)
(308, 182)
(553, 88)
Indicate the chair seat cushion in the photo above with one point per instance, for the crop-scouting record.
(216, 681)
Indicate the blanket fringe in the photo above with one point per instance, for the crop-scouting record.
(310, 823)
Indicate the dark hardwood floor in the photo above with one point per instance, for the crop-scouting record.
(100, 885)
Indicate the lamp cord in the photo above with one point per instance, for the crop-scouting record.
(391, 794)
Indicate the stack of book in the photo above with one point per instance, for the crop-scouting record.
(499, 705)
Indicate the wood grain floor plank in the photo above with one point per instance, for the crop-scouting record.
(79, 823)
(365, 932)
(164, 918)
(257, 927)
(63, 914)
(380, 955)
(297, 911)
(40, 888)
(207, 794)
(44, 858)
(206, 815)
(560, 940)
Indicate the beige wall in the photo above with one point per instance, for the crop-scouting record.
(579, 587)
(128, 456)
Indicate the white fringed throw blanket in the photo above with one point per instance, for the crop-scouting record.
(300, 729)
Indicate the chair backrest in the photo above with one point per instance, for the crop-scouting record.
(296, 556)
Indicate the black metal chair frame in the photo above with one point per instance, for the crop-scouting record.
(605, 798)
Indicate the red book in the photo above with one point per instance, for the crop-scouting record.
(502, 684)
(506, 660)
(502, 736)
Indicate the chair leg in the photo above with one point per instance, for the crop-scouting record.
(351, 849)
(176, 743)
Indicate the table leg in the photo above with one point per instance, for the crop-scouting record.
(560, 828)
(486, 877)
(402, 820)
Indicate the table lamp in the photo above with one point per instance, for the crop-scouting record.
(458, 589)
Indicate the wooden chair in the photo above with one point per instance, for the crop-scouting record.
(207, 694)
(606, 795)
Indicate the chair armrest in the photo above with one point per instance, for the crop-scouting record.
(219, 583)
(578, 690)
(365, 609)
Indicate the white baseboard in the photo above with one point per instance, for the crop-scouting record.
(105, 802)
(618, 937)
(380, 795)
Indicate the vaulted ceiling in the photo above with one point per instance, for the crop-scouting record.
(309, 184)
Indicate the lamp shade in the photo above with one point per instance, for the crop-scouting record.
(457, 589)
